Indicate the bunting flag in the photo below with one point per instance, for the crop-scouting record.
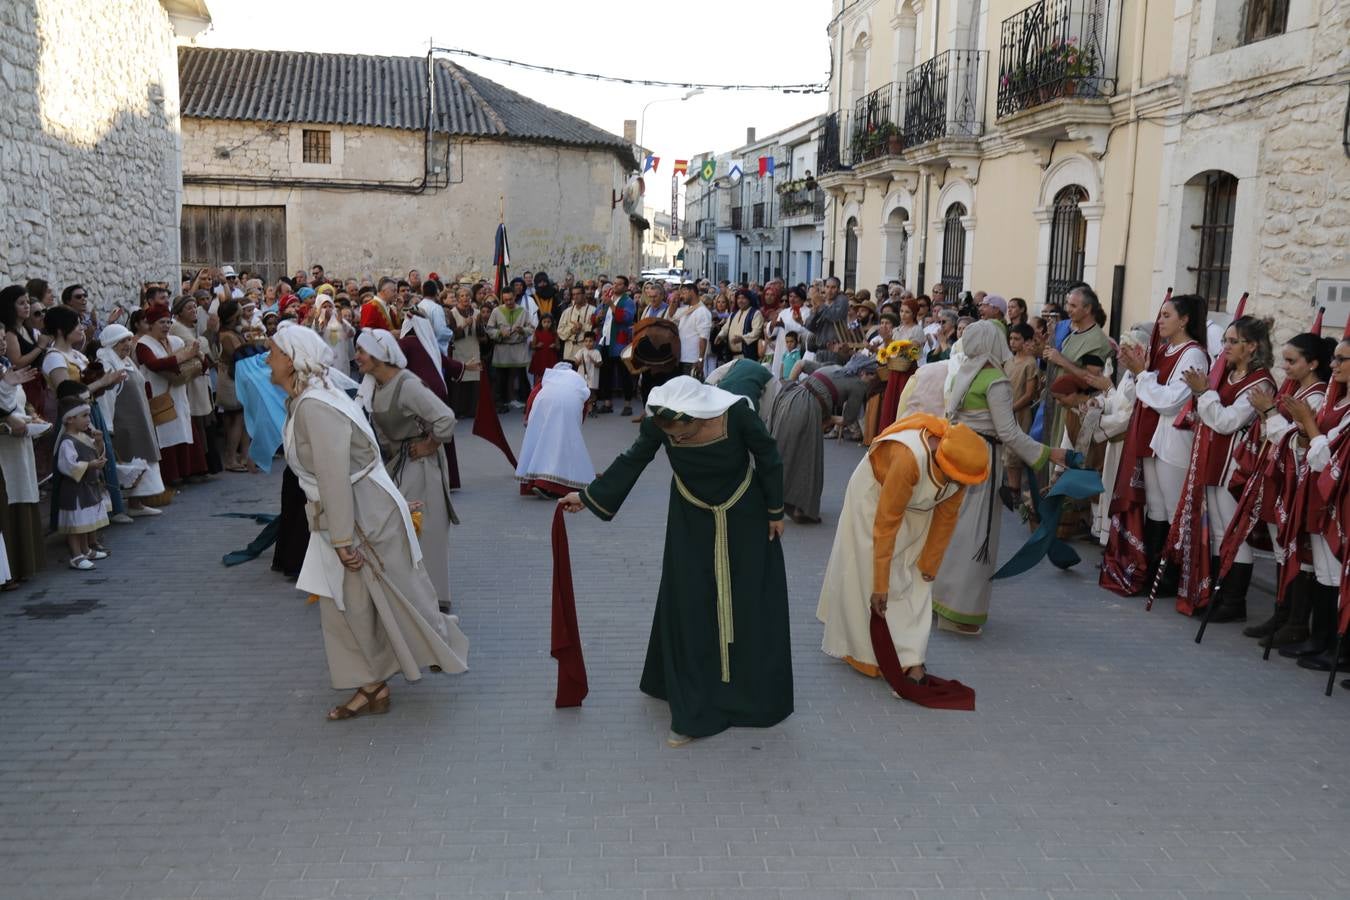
(681, 167)
(708, 171)
(649, 163)
(501, 259)
(735, 172)
(765, 166)
(565, 642)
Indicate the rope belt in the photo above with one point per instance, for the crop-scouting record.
(721, 563)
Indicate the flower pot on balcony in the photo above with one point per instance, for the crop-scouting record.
(895, 144)
(1070, 87)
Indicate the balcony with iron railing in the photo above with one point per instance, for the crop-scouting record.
(944, 97)
(1056, 49)
(1057, 73)
(876, 125)
(830, 145)
(801, 205)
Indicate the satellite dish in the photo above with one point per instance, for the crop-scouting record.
(632, 195)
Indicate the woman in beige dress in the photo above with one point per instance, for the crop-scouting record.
(413, 426)
(377, 604)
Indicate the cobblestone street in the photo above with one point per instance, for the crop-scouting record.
(162, 735)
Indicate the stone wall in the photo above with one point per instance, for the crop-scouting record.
(1251, 114)
(557, 200)
(88, 145)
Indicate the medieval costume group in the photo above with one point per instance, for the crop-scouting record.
(1207, 450)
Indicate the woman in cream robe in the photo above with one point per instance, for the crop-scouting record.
(413, 426)
(377, 604)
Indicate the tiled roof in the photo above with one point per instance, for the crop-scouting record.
(378, 91)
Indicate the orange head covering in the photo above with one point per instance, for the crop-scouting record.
(962, 455)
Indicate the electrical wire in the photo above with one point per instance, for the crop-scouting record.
(642, 82)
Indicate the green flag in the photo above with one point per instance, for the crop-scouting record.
(709, 170)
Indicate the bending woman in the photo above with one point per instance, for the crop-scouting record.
(377, 604)
(729, 663)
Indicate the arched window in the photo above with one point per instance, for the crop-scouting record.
(858, 69)
(896, 245)
(1214, 233)
(851, 253)
(1068, 240)
(954, 250)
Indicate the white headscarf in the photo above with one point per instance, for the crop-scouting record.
(312, 358)
(426, 336)
(981, 343)
(383, 346)
(690, 397)
(109, 338)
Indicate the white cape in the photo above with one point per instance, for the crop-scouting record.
(554, 449)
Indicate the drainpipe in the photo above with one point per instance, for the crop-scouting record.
(1136, 84)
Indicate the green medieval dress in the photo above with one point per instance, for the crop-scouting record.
(684, 656)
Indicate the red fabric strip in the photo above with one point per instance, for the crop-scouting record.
(566, 640)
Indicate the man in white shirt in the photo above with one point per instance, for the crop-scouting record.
(430, 306)
(695, 322)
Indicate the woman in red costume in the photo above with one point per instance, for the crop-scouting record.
(1223, 420)
(1271, 479)
(1156, 453)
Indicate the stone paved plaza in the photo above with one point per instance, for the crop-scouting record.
(162, 735)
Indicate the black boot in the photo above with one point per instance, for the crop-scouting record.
(1278, 617)
(1299, 603)
(1323, 630)
(1232, 598)
(1321, 662)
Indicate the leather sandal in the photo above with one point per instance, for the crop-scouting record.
(375, 705)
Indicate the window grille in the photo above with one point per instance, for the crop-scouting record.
(317, 145)
(1216, 239)
(1068, 241)
(954, 250)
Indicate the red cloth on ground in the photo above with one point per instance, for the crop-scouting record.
(933, 692)
(565, 646)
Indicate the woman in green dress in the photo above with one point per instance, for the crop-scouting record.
(719, 649)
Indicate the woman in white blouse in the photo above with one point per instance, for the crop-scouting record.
(1163, 391)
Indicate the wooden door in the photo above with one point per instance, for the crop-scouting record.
(250, 238)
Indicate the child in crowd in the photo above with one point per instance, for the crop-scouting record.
(792, 354)
(1025, 375)
(545, 346)
(80, 460)
(587, 362)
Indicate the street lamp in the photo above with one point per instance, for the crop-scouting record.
(642, 126)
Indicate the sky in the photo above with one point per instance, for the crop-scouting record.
(730, 41)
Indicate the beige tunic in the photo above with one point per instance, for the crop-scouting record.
(573, 325)
(388, 621)
(466, 349)
(405, 410)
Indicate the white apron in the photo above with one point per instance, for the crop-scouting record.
(845, 607)
(322, 572)
(179, 431)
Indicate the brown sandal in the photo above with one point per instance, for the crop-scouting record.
(375, 705)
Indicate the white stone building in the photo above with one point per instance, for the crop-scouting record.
(89, 142)
(659, 244)
(292, 159)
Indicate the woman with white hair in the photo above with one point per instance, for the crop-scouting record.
(377, 603)
(980, 395)
(413, 426)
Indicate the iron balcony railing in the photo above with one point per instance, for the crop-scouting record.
(802, 203)
(944, 97)
(876, 122)
(1054, 49)
(829, 148)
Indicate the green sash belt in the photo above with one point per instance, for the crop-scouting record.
(721, 563)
